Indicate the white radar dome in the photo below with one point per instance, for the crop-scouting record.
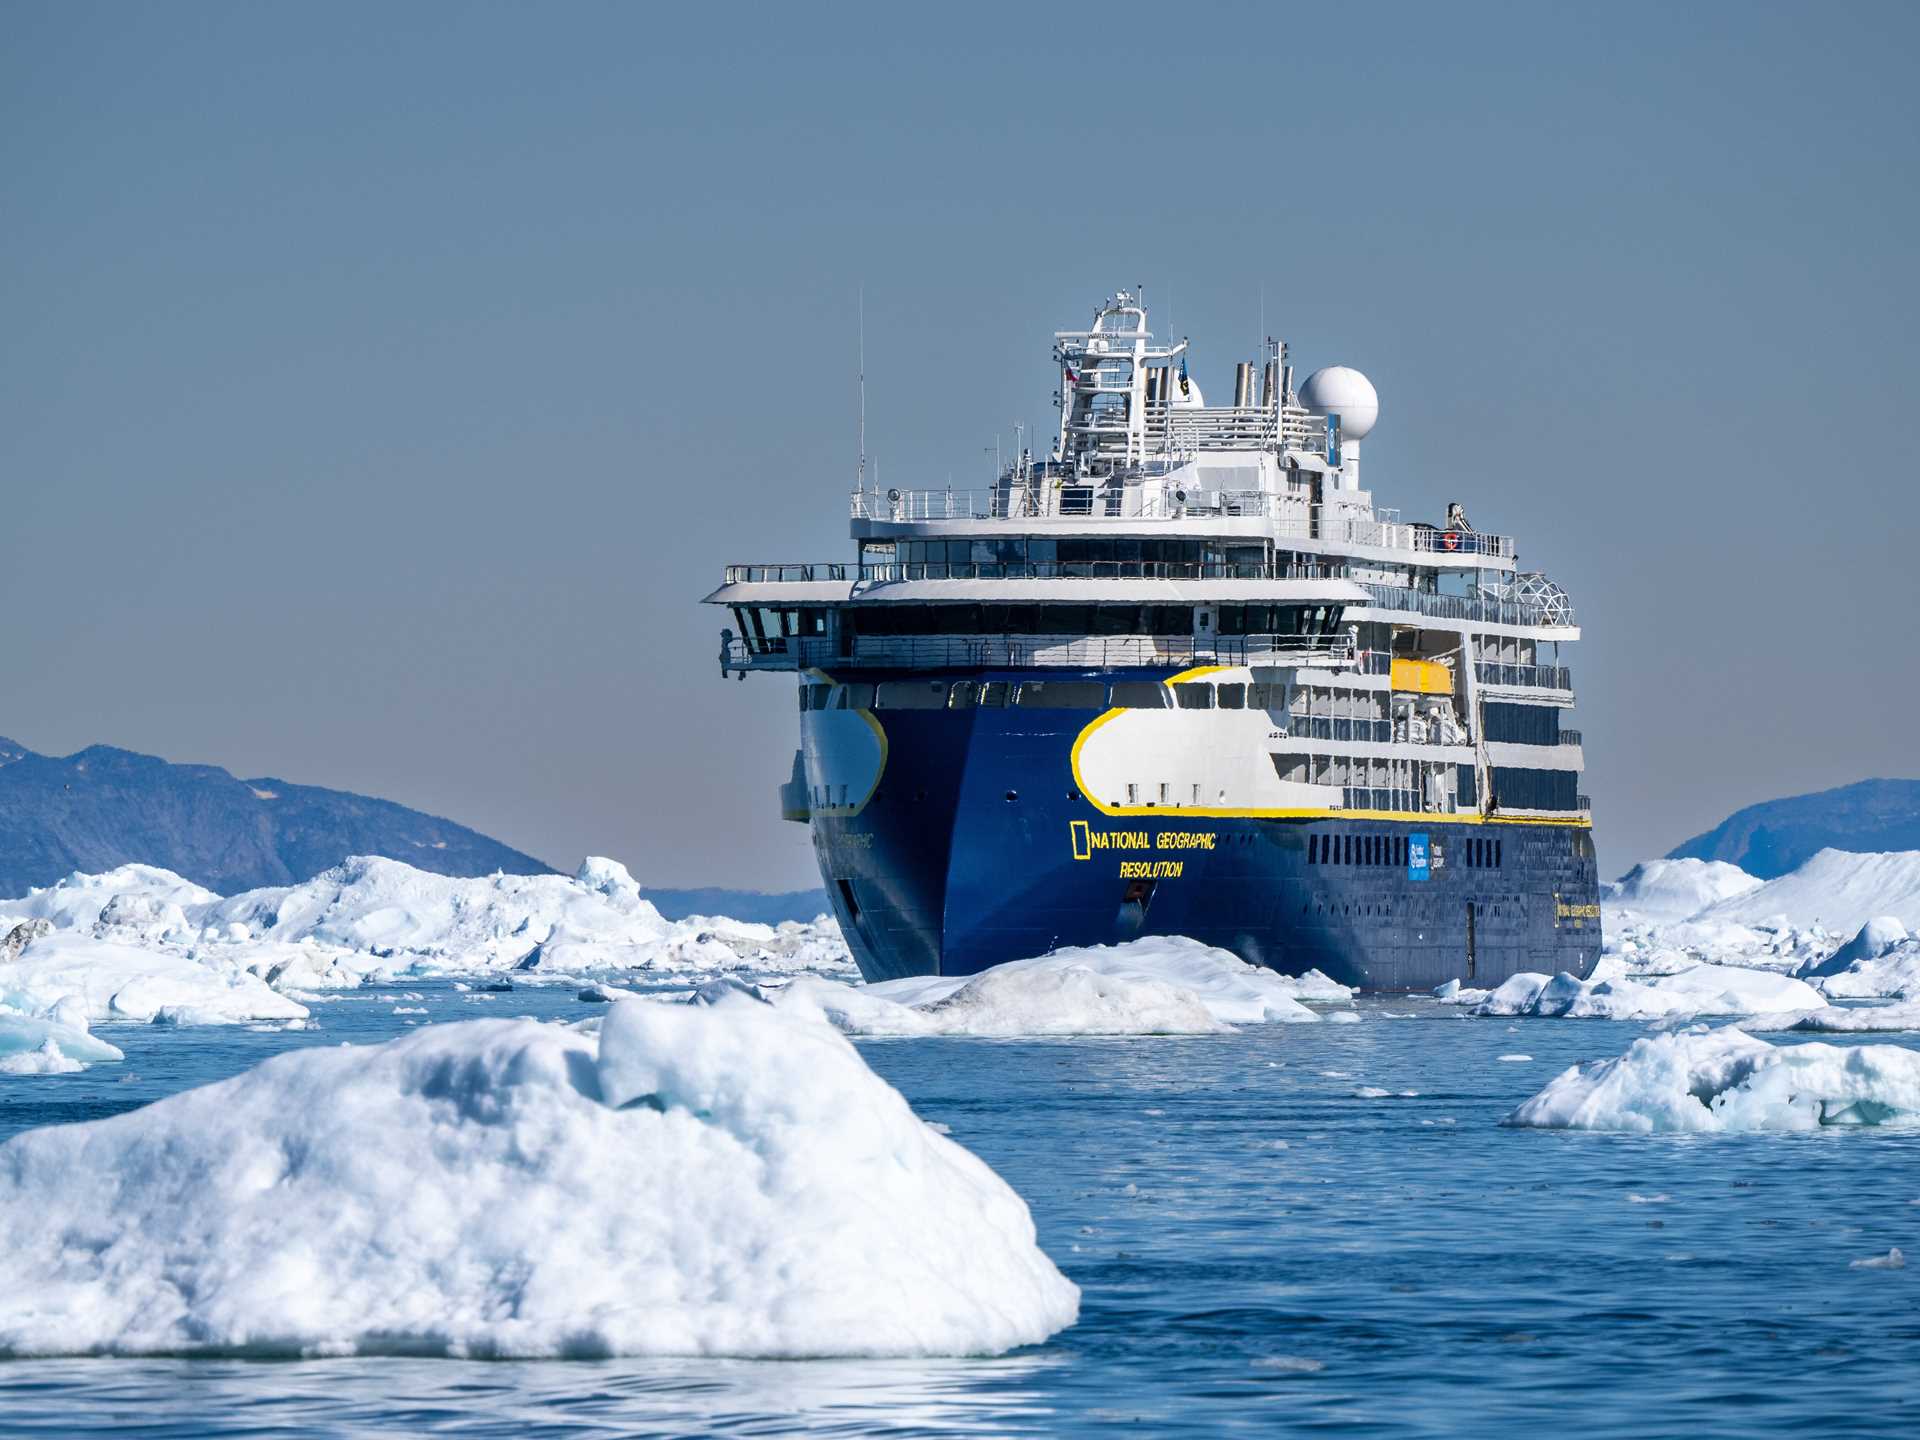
(1340, 390)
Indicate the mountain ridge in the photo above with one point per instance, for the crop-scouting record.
(104, 806)
(1773, 837)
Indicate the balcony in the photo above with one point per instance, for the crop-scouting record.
(1543, 677)
(1481, 608)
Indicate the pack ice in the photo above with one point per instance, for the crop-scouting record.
(141, 944)
(1154, 986)
(1723, 1080)
(726, 1179)
(1665, 916)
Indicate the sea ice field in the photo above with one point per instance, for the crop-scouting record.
(1650, 1202)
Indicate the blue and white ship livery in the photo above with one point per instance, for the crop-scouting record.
(1183, 677)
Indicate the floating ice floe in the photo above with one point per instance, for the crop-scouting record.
(1700, 990)
(696, 1180)
(31, 1045)
(105, 980)
(1724, 1080)
(1676, 889)
(1154, 986)
(1847, 1020)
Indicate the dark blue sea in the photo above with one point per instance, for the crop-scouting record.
(1261, 1251)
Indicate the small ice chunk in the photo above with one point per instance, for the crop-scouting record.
(1892, 1260)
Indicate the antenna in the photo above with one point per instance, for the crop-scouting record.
(860, 475)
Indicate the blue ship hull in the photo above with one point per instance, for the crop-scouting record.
(976, 847)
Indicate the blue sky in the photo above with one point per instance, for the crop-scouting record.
(382, 385)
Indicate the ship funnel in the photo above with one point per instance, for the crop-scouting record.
(1242, 385)
(1268, 382)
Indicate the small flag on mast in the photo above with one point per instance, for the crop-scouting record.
(1185, 389)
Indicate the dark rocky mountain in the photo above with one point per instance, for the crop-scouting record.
(102, 807)
(1772, 838)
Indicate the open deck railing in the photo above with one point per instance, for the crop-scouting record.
(1462, 607)
(1545, 677)
(1289, 515)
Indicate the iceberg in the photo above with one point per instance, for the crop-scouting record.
(1836, 889)
(1677, 889)
(1882, 960)
(1727, 1080)
(110, 981)
(1153, 986)
(718, 1180)
(35, 1046)
(1699, 990)
(1849, 1020)
(381, 919)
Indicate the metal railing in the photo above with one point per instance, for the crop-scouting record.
(1461, 607)
(1017, 652)
(1052, 499)
(1545, 677)
(879, 572)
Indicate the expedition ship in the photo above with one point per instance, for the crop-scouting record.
(1183, 677)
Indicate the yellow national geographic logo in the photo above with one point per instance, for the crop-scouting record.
(1082, 843)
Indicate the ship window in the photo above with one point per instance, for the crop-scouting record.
(1313, 844)
(1194, 696)
(962, 695)
(1141, 695)
(993, 694)
(1499, 855)
(1233, 697)
(854, 697)
(1062, 695)
(1292, 768)
(913, 695)
(1119, 322)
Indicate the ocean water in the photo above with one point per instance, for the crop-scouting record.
(1261, 1250)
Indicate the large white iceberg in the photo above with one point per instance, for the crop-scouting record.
(1698, 990)
(696, 1180)
(1836, 889)
(1677, 889)
(1154, 986)
(382, 919)
(1881, 960)
(1728, 1080)
(109, 981)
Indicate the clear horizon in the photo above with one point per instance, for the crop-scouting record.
(384, 388)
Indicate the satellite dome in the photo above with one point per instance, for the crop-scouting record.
(1339, 390)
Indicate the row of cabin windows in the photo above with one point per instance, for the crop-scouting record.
(897, 619)
(1022, 550)
(769, 630)
(1477, 852)
(1521, 724)
(1040, 695)
(1515, 789)
(1356, 850)
(1312, 621)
